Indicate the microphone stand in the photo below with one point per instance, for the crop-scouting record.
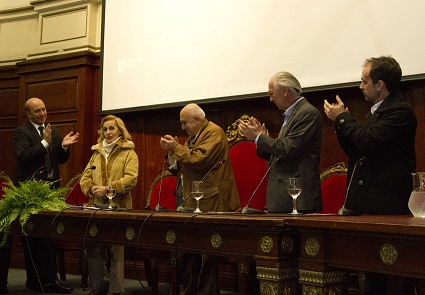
(39, 170)
(344, 211)
(158, 207)
(249, 210)
(182, 208)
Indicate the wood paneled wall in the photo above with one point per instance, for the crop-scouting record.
(69, 86)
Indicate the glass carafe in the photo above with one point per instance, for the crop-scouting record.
(417, 197)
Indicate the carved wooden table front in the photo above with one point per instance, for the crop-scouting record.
(261, 239)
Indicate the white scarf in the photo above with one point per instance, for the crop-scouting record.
(108, 147)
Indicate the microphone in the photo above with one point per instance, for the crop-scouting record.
(249, 210)
(78, 180)
(181, 208)
(158, 207)
(39, 170)
(344, 211)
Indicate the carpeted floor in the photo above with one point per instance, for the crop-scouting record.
(17, 278)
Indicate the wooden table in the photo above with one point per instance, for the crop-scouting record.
(317, 249)
(330, 245)
(261, 239)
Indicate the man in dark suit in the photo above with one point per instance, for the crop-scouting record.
(381, 154)
(39, 149)
(297, 147)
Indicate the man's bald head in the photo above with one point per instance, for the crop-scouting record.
(36, 110)
(191, 118)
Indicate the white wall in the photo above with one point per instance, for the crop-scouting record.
(43, 28)
(161, 52)
(7, 4)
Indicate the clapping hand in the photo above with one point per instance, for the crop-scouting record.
(333, 110)
(70, 139)
(168, 142)
(252, 128)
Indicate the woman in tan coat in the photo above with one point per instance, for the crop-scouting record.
(117, 166)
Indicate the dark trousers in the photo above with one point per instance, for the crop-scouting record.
(40, 261)
(381, 284)
(199, 274)
(5, 253)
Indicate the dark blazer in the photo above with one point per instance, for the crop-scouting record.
(298, 147)
(382, 183)
(29, 152)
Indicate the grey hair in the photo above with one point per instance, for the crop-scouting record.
(285, 79)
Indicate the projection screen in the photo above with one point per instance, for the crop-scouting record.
(160, 53)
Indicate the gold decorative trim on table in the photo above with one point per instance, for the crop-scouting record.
(216, 240)
(170, 237)
(388, 254)
(129, 233)
(268, 288)
(93, 230)
(274, 273)
(287, 244)
(312, 247)
(243, 268)
(60, 228)
(272, 279)
(267, 244)
(314, 290)
(317, 277)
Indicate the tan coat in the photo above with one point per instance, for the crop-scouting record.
(197, 158)
(122, 172)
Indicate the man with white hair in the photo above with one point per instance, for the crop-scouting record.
(296, 149)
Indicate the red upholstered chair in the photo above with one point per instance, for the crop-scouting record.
(74, 196)
(248, 168)
(333, 186)
(4, 179)
(164, 186)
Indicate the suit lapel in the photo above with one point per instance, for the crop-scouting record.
(34, 132)
(284, 130)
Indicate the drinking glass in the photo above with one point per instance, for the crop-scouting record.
(294, 189)
(198, 193)
(110, 193)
